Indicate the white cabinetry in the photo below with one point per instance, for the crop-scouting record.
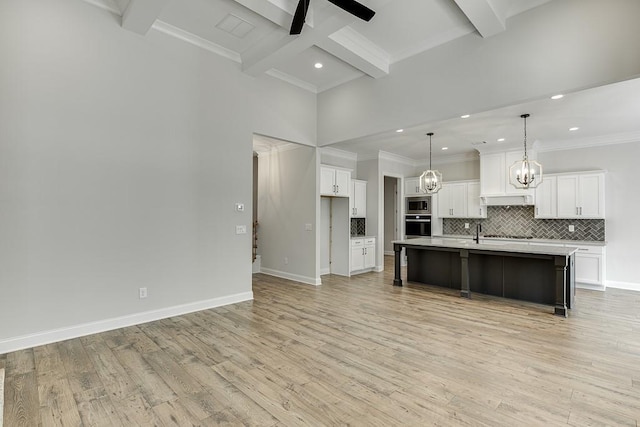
(412, 187)
(334, 182)
(460, 200)
(494, 174)
(363, 254)
(358, 199)
(474, 207)
(590, 264)
(547, 198)
(581, 195)
(571, 195)
(452, 200)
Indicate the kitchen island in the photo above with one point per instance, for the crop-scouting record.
(540, 274)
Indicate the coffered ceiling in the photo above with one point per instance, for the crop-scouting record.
(255, 34)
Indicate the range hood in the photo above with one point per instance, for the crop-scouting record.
(507, 200)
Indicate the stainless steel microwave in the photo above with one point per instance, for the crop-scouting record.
(419, 205)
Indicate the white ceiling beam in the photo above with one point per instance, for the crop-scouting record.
(486, 15)
(358, 51)
(280, 47)
(328, 33)
(274, 12)
(141, 14)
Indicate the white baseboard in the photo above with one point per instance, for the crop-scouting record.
(389, 253)
(590, 287)
(61, 334)
(379, 268)
(324, 271)
(295, 277)
(623, 285)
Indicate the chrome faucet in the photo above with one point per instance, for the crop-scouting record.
(478, 230)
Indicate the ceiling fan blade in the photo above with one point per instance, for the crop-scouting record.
(299, 17)
(355, 8)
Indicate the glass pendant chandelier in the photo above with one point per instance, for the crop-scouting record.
(430, 180)
(525, 173)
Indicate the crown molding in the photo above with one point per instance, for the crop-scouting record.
(597, 141)
(342, 154)
(385, 155)
(198, 41)
(292, 80)
(339, 82)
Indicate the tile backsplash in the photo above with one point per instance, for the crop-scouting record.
(520, 221)
(358, 227)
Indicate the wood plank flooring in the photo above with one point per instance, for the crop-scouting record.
(353, 351)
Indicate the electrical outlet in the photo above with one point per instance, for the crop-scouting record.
(308, 227)
(466, 225)
(142, 292)
(572, 228)
(241, 229)
(286, 260)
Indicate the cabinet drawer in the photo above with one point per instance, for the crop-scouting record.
(357, 242)
(371, 241)
(596, 250)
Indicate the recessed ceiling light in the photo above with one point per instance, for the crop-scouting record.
(318, 65)
(466, 116)
(573, 128)
(500, 139)
(558, 96)
(400, 130)
(445, 148)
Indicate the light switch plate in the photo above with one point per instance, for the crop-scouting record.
(308, 227)
(572, 228)
(241, 229)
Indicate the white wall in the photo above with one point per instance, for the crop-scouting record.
(622, 202)
(121, 158)
(287, 200)
(559, 47)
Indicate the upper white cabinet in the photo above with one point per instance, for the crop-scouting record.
(334, 181)
(412, 187)
(460, 200)
(571, 195)
(452, 200)
(547, 198)
(494, 174)
(358, 199)
(475, 209)
(581, 195)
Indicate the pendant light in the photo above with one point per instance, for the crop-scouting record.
(430, 180)
(525, 173)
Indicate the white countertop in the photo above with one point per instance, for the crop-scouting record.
(550, 241)
(487, 245)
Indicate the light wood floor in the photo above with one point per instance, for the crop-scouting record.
(351, 352)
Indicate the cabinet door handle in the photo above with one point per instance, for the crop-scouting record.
(537, 211)
(355, 211)
(580, 210)
(480, 210)
(577, 211)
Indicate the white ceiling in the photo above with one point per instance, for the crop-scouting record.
(603, 115)
(257, 37)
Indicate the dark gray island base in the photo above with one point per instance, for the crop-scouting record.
(539, 274)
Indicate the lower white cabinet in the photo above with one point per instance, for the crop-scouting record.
(363, 254)
(590, 266)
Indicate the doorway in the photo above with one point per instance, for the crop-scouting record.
(392, 213)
